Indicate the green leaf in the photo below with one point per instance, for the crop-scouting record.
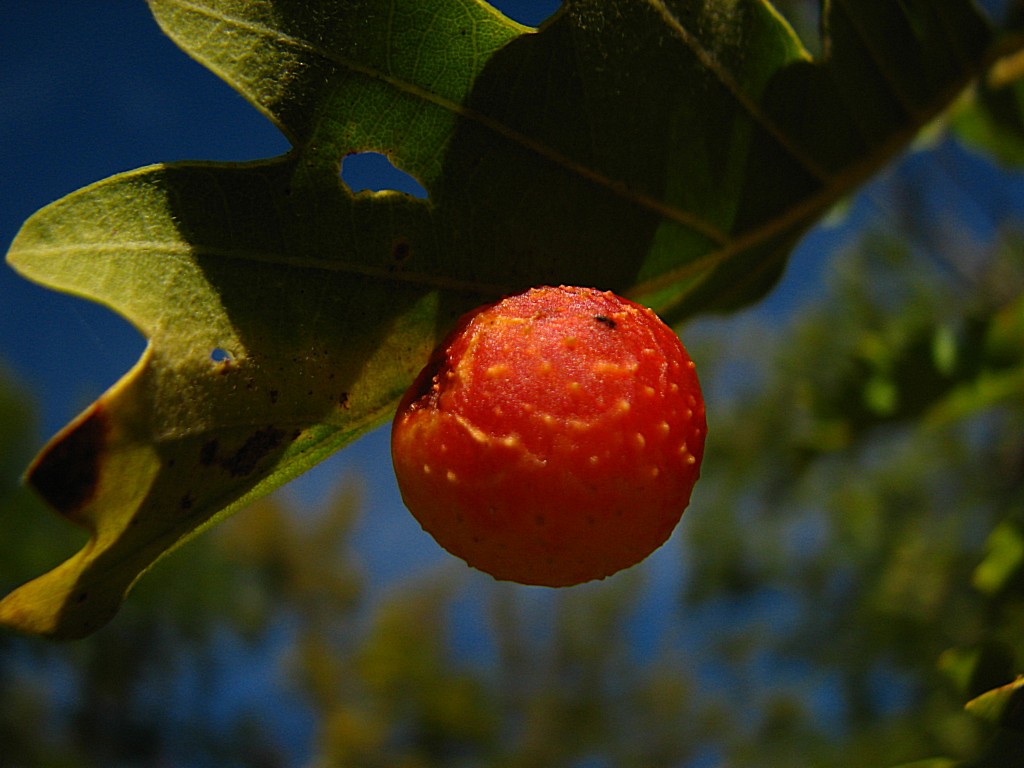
(672, 151)
(1004, 559)
(1002, 706)
(976, 669)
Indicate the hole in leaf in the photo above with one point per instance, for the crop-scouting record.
(532, 13)
(373, 171)
(221, 355)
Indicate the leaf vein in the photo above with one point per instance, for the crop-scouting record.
(891, 83)
(726, 78)
(191, 252)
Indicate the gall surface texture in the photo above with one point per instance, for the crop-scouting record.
(553, 438)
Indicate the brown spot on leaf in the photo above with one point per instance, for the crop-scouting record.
(400, 250)
(67, 473)
(245, 459)
(187, 501)
(605, 320)
(273, 396)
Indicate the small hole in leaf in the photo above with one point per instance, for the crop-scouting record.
(221, 355)
(373, 171)
(532, 13)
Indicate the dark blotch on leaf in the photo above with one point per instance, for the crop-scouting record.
(208, 453)
(245, 459)
(67, 473)
(400, 251)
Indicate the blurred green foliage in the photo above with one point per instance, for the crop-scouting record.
(870, 470)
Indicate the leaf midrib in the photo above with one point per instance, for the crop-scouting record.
(189, 252)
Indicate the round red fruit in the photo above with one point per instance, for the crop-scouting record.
(553, 438)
